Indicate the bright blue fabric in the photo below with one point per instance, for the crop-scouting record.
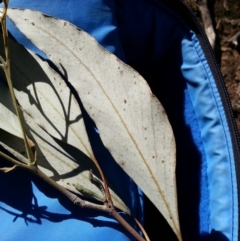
(223, 205)
(94, 17)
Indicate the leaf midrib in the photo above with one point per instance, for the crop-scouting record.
(121, 119)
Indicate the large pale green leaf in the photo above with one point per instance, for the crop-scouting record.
(132, 123)
(64, 152)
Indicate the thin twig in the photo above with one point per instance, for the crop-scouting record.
(13, 161)
(14, 153)
(207, 21)
(6, 67)
(142, 229)
(112, 209)
(126, 225)
(75, 199)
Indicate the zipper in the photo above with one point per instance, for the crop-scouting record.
(187, 14)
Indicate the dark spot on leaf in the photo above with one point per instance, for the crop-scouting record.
(135, 82)
(125, 101)
(65, 23)
(122, 163)
(162, 161)
(33, 23)
(153, 157)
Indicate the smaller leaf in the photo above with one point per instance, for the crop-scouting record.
(7, 169)
(19, 156)
(54, 123)
(8, 119)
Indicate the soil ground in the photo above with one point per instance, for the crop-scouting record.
(227, 25)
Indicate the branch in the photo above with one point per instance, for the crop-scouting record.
(207, 21)
(72, 197)
(225, 5)
(234, 40)
(6, 68)
(234, 22)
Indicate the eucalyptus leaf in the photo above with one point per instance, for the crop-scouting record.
(8, 118)
(54, 123)
(132, 123)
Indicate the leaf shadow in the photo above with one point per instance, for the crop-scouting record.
(83, 163)
(18, 198)
(126, 186)
(31, 74)
(31, 78)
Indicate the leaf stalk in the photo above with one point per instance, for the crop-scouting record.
(6, 67)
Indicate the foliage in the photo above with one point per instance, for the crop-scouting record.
(131, 121)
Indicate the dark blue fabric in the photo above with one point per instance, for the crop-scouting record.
(173, 63)
(159, 62)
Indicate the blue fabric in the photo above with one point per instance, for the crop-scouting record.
(223, 206)
(164, 50)
(172, 62)
(94, 17)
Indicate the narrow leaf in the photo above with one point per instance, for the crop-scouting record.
(66, 165)
(64, 152)
(132, 123)
(8, 119)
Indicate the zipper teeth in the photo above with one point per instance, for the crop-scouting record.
(203, 34)
(228, 102)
